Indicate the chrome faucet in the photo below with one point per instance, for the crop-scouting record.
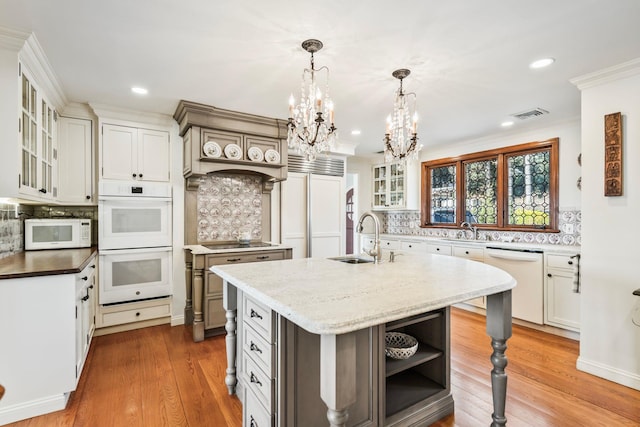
(376, 251)
(474, 230)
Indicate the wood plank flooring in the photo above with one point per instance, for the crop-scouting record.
(159, 377)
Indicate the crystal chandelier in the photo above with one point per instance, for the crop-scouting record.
(401, 136)
(309, 132)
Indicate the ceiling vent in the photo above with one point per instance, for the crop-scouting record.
(524, 115)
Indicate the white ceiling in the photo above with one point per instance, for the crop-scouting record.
(468, 58)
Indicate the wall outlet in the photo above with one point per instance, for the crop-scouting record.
(568, 228)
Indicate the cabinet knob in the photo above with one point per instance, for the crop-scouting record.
(134, 175)
(43, 191)
(140, 175)
(549, 274)
(137, 314)
(85, 278)
(410, 246)
(570, 262)
(437, 249)
(88, 197)
(137, 292)
(466, 252)
(90, 286)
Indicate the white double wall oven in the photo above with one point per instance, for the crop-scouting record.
(134, 241)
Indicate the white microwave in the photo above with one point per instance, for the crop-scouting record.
(57, 233)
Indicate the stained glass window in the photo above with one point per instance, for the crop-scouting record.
(443, 194)
(480, 191)
(507, 188)
(529, 182)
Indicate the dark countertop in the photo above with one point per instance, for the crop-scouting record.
(45, 263)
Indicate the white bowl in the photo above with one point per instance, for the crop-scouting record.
(399, 345)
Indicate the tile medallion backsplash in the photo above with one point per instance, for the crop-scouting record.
(11, 231)
(407, 223)
(227, 205)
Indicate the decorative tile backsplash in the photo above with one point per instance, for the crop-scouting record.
(11, 231)
(407, 223)
(227, 205)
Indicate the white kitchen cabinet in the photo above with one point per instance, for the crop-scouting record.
(37, 136)
(128, 153)
(46, 325)
(474, 254)
(413, 246)
(86, 286)
(562, 305)
(438, 248)
(75, 161)
(395, 186)
(313, 215)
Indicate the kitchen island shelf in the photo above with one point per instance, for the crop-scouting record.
(409, 388)
(424, 354)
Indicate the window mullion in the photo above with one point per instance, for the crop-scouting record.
(501, 190)
(460, 196)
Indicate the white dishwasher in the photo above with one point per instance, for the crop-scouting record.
(526, 266)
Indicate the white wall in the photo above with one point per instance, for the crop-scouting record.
(610, 342)
(362, 167)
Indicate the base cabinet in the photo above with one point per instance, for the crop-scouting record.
(562, 304)
(278, 367)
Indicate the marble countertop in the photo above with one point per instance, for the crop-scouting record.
(326, 296)
(549, 248)
(203, 250)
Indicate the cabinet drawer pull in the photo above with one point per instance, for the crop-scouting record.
(255, 379)
(466, 252)
(570, 262)
(253, 422)
(255, 348)
(255, 314)
(549, 274)
(85, 278)
(437, 249)
(263, 257)
(85, 298)
(233, 259)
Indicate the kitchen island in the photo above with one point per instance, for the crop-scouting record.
(307, 331)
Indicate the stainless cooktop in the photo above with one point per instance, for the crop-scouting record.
(235, 245)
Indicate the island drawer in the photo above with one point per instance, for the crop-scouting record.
(242, 257)
(257, 382)
(476, 254)
(259, 318)
(260, 350)
(414, 246)
(254, 413)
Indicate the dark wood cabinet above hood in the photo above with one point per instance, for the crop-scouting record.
(209, 135)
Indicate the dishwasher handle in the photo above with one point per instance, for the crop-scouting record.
(513, 255)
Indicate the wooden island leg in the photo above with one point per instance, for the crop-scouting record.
(338, 376)
(230, 303)
(198, 298)
(188, 304)
(499, 329)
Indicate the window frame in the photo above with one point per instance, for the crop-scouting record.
(502, 191)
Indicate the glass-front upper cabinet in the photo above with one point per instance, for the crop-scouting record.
(37, 138)
(395, 186)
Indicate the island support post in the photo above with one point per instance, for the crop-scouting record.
(499, 329)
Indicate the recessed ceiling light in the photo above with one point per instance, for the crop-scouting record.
(541, 63)
(139, 90)
(506, 124)
(356, 132)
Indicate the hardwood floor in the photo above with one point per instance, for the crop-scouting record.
(159, 377)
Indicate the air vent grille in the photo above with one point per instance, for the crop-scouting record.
(319, 166)
(524, 115)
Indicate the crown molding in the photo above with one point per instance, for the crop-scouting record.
(12, 39)
(32, 57)
(118, 115)
(616, 72)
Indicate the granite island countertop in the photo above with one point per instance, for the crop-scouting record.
(326, 296)
(45, 262)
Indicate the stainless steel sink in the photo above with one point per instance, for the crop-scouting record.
(352, 260)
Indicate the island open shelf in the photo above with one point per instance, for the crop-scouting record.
(424, 377)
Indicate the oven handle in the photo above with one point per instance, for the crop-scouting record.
(134, 251)
(134, 197)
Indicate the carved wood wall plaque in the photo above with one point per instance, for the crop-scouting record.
(613, 154)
